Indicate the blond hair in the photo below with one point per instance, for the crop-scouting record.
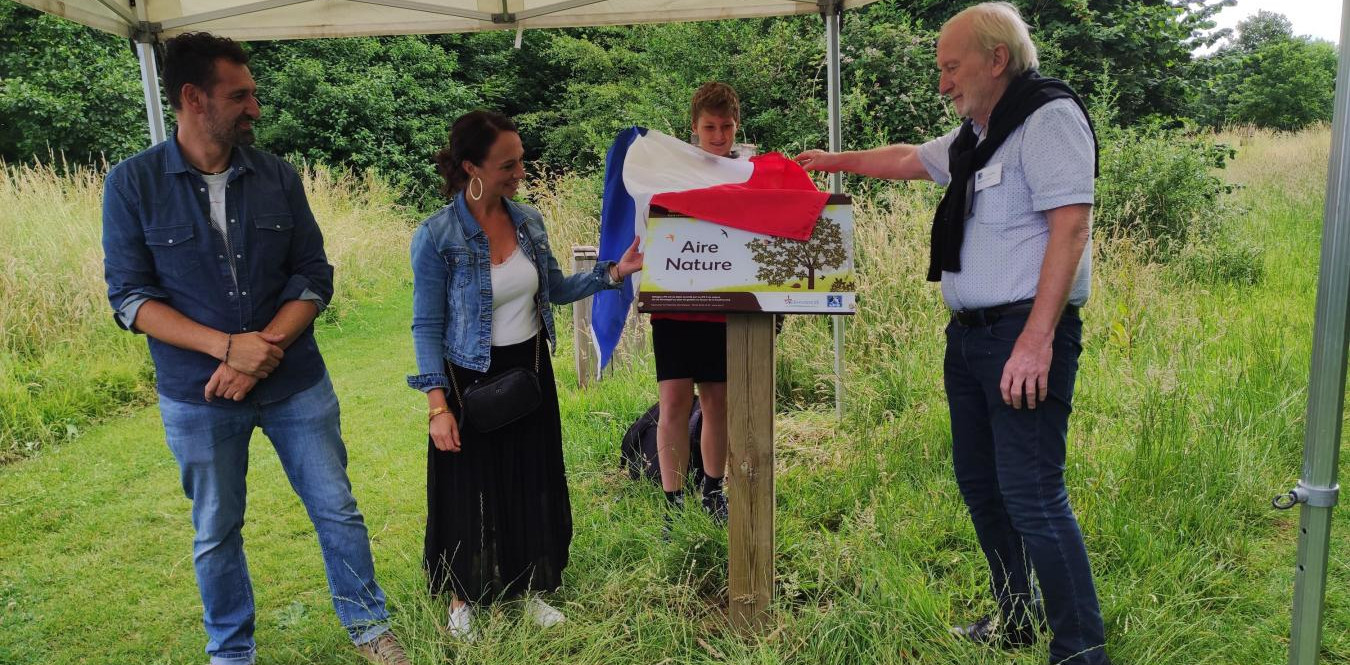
(994, 23)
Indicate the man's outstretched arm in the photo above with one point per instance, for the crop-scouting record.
(892, 162)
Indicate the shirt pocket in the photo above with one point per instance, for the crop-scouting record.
(174, 249)
(459, 262)
(273, 241)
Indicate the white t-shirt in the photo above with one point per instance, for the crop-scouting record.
(515, 282)
(215, 190)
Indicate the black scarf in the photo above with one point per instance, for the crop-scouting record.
(968, 154)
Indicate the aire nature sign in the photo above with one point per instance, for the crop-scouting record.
(697, 266)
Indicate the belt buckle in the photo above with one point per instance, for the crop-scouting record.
(971, 318)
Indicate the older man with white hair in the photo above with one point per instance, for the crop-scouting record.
(1011, 247)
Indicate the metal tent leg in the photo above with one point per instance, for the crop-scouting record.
(1317, 489)
(832, 17)
(154, 110)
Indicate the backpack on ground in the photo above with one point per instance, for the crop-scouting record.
(638, 450)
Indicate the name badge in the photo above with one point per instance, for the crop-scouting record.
(988, 176)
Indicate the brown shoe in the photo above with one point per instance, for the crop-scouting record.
(384, 650)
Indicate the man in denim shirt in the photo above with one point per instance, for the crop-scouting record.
(212, 252)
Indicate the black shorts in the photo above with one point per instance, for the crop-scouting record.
(690, 350)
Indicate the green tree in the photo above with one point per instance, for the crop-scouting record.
(66, 90)
(1145, 45)
(1265, 76)
(381, 103)
(1290, 85)
(1262, 28)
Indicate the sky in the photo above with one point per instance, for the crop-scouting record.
(1317, 18)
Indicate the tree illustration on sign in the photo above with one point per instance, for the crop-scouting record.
(784, 259)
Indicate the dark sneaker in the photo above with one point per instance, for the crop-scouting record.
(715, 504)
(986, 630)
(384, 650)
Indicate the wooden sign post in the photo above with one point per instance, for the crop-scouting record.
(696, 266)
(583, 260)
(750, 534)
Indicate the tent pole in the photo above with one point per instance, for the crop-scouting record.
(831, 14)
(1317, 489)
(154, 110)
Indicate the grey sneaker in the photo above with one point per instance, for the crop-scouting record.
(384, 650)
(543, 614)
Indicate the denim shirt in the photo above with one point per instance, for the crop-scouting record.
(452, 288)
(159, 244)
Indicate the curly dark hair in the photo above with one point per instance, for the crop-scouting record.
(191, 58)
(471, 137)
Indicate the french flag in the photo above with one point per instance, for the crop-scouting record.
(767, 194)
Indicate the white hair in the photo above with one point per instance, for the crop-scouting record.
(994, 23)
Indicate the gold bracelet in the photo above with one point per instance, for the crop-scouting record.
(436, 412)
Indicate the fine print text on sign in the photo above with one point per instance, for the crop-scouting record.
(697, 266)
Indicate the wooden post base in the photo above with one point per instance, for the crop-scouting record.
(750, 491)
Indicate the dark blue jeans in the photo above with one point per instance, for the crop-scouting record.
(1009, 464)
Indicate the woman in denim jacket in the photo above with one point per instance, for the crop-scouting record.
(498, 518)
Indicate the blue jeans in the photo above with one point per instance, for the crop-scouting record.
(1009, 464)
(211, 446)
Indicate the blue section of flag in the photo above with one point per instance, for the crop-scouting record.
(618, 211)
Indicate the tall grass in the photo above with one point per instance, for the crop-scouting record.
(64, 363)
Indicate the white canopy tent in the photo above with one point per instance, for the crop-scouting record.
(293, 19)
(149, 21)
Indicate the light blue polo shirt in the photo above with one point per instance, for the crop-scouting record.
(1045, 164)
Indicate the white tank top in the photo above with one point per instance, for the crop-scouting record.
(515, 318)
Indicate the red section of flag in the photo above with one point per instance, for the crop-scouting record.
(779, 199)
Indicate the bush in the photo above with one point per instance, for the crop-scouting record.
(1158, 188)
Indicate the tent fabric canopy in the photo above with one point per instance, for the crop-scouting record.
(297, 19)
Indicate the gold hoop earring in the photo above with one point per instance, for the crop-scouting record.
(479, 195)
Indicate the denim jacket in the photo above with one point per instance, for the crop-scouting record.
(452, 288)
(159, 244)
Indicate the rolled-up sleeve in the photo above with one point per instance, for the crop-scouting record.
(128, 266)
(430, 283)
(311, 275)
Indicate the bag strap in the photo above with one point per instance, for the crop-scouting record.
(538, 337)
(455, 383)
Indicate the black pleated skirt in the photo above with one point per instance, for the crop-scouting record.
(499, 521)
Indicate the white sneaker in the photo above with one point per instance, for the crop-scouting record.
(543, 614)
(460, 625)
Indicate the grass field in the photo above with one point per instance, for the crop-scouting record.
(1188, 419)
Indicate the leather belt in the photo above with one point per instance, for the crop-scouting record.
(987, 316)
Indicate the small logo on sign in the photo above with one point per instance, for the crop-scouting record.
(834, 301)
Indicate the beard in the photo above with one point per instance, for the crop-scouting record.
(230, 132)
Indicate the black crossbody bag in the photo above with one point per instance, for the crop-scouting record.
(494, 402)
